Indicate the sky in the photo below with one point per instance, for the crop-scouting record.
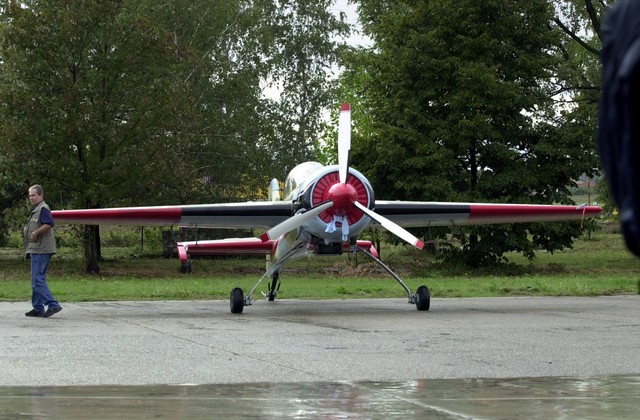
(351, 13)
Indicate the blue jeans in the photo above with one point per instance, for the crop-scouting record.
(40, 294)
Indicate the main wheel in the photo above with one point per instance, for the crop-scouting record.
(237, 301)
(423, 298)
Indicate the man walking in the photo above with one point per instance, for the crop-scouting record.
(40, 245)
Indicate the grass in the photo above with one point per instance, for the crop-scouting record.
(599, 265)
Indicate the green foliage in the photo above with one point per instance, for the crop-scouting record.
(121, 238)
(11, 193)
(15, 241)
(606, 200)
(76, 109)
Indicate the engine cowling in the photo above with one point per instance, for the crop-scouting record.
(325, 185)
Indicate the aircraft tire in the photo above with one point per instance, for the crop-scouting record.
(237, 301)
(423, 298)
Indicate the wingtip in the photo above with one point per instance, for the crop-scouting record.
(345, 107)
(265, 237)
(419, 244)
(182, 252)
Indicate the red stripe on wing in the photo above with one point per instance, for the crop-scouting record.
(510, 213)
(124, 215)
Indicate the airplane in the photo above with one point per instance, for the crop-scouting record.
(324, 210)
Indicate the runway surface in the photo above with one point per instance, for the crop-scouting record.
(465, 358)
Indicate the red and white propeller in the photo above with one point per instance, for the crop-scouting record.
(344, 141)
(341, 198)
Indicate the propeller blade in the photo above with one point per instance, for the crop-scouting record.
(392, 227)
(344, 141)
(295, 221)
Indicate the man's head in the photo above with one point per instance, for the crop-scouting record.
(36, 194)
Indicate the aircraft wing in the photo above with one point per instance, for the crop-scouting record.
(422, 214)
(267, 214)
(229, 215)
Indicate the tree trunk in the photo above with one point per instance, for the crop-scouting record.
(91, 248)
(98, 244)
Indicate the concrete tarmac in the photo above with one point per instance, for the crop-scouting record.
(465, 358)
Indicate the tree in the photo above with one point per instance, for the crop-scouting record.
(108, 101)
(96, 103)
(460, 97)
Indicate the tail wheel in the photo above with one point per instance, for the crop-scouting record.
(237, 301)
(423, 298)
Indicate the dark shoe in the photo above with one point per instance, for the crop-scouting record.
(52, 311)
(34, 313)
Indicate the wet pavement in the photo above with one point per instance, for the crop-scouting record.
(466, 358)
(532, 398)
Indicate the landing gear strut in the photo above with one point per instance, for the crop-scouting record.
(274, 287)
(238, 300)
(185, 267)
(422, 297)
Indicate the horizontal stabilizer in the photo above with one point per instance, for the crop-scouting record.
(230, 246)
